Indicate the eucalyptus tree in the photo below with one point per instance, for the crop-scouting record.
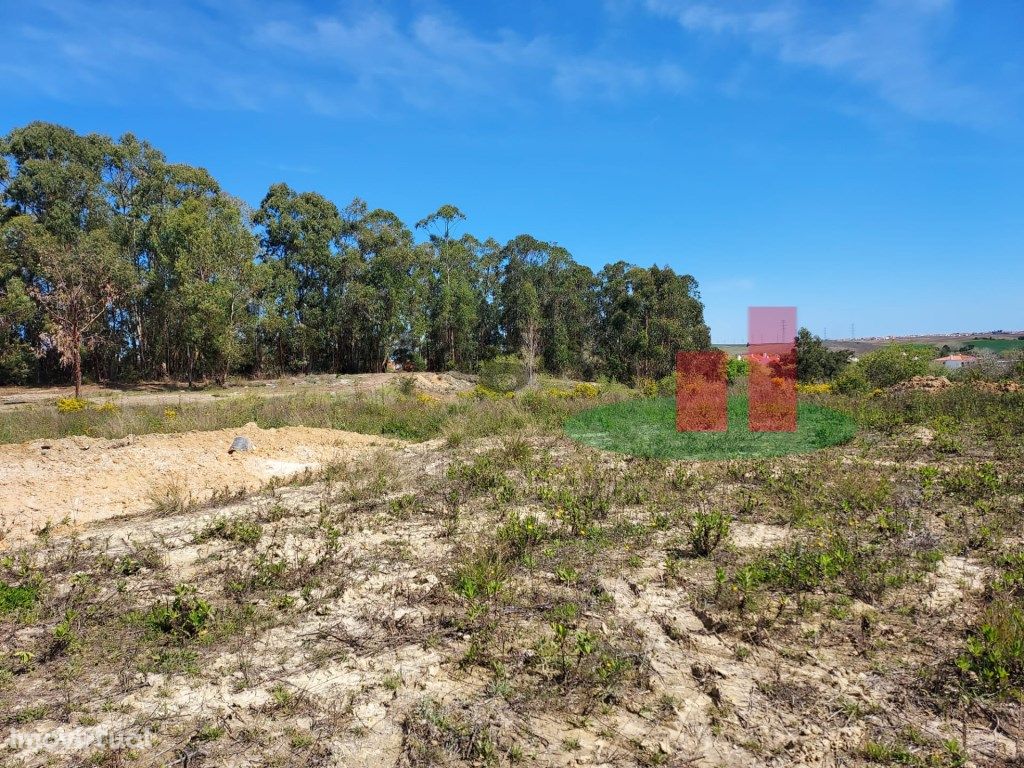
(452, 302)
(646, 316)
(76, 277)
(208, 252)
(155, 270)
(301, 232)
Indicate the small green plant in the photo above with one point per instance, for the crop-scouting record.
(240, 531)
(566, 574)
(16, 598)
(993, 658)
(520, 533)
(187, 616)
(406, 386)
(708, 529)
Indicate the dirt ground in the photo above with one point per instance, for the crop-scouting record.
(354, 651)
(72, 482)
(156, 393)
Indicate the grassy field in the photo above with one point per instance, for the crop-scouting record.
(997, 345)
(647, 428)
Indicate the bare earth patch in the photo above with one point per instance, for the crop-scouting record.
(80, 480)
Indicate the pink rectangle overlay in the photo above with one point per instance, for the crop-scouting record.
(771, 354)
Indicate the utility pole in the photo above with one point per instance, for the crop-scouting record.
(853, 335)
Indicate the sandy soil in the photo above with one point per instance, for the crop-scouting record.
(76, 481)
(13, 398)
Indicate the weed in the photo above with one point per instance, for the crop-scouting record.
(186, 616)
(708, 529)
(993, 657)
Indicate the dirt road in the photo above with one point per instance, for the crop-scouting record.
(13, 398)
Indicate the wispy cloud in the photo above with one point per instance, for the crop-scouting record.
(247, 55)
(890, 48)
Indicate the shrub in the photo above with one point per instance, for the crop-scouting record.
(851, 381)
(736, 368)
(406, 385)
(895, 363)
(708, 529)
(505, 373)
(667, 385)
(187, 616)
(71, 405)
(647, 387)
(480, 392)
(813, 389)
(993, 659)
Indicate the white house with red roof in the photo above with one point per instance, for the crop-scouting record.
(952, 362)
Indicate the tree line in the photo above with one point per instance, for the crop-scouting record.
(122, 265)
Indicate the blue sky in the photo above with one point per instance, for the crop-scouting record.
(861, 160)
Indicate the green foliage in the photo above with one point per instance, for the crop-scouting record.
(168, 277)
(814, 361)
(241, 531)
(993, 657)
(736, 368)
(648, 316)
(648, 428)
(895, 363)
(15, 598)
(708, 529)
(505, 373)
(852, 381)
(187, 616)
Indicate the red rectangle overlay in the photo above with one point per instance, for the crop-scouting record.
(771, 354)
(701, 392)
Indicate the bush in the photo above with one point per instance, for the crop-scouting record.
(647, 387)
(895, 363)
(851, 381)
(736, 368)
(71, 405)
(993, 660)
(708, 529)
(813, 389)
(505, 373)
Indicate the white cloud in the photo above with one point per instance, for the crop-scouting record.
(888, 47)
(242, 54)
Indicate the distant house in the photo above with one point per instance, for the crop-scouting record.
(952, 362)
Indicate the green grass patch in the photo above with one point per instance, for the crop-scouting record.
(997, 345)
(15, 598)
(648, 428)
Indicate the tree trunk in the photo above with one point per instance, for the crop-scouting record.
(76, 356)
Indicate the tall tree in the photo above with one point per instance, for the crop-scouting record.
(300, 241)
(77, 282)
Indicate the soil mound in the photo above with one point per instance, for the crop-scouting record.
(82, 479)
(922, 384)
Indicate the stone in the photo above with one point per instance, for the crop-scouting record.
(240, 444)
